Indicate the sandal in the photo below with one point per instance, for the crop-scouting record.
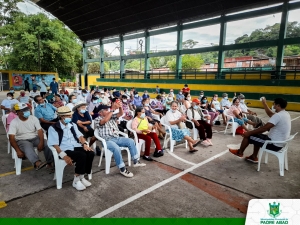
(40, 166)
(193, 150)
(197, 143)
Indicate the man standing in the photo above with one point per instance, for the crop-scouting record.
(108, 130)
(26, 82)
(279, 127)
(71, 146)
(186, 89)
(25, 133)
(54, 86)
(43, 87)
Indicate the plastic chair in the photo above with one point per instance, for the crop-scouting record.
(4, 118)
(281, 155)
(163, 121)
(156, 116)
(59, 167)
(139, 143)
(108, 153)
(195, 131)
(230, 120)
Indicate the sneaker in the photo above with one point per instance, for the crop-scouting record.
(205, 143)
(126, 173)
(235, 152)
(84, 181)
(158, 154)
(148, 158)
(210, 143)
(77, 184)
(250, 159)
(138, 164)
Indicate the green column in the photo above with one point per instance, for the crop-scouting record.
(147, 50)
(85, 66)
(282, 34)
(178, 54)
(221, 44)
(122, 69)
(101, 59)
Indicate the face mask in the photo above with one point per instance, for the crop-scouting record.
(171, 91)
(136, 96)
(53, 98)
(74, 101)
(204, 100)
(242, 100)
(173, 111)
(170, 98)
(195, 107)
(9, 98)
(67, 120)
(95, 101)
(42, 104)
(22, 94)
(226, 98)
(50, 92)
(12, 91)
(100, 100)
(188, 98)
(146, 105)
(180, 93)
(143, 115)
(201, 96)
(26, 114)
(97, 96)
(83, 95)
(82, 111)
(124, 101)
(273, 109)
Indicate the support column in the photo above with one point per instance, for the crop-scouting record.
(282, 35)
(147, 50)
(101, 59)
(85, 66)
(178, 54)
(122, 63)
(221, 44)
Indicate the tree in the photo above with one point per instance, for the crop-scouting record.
(60, 49)
(8, 11)
(188, 62)
(94, 68)
(188, 44)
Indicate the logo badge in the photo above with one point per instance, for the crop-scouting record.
(274, 210)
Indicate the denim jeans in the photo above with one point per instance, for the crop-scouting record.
(114, 144)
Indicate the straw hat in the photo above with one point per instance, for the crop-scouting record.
(64, 111)
(79, 104)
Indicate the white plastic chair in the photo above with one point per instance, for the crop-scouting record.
(156, 116)
(59, 167)
(163, 121)
(108, 153)
(281, 155)
(139, 143)
(195, 131)
(4, 118)
(3, 112)
(230, 120)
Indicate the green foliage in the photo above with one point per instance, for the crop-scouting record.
(134, 64)
(94, 68)
(60, 50)
(188, 44)
(8, 11)
(188, 62)
(159, 62)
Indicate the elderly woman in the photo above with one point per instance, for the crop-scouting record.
(158, 105)
(205, 106)
(176, 121)
(83, 120)
(57, 101)
(145, 131)
(236, 112)
(23, 98)
(149, 111)
(93, 106)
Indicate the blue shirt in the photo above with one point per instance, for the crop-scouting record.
(86, 117)
(137, 101)
(46, 112)
(179, 96)
(54, 86)
(64, 97)
(145, 96)
(68, 141)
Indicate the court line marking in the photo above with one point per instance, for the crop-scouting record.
(14, 172)
(179, 158)
(295, 118)
(156, 186)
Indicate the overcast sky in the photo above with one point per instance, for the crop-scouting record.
(206, 36)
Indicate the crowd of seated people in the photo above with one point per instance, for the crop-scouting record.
(67, 120)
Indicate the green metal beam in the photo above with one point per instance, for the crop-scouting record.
(92, 60)
(255, 44)
(295, 5)
(163, 31)
(292, 41)
(199, 50)
(139, 56)
(85, 66)
(282, 34)
(147, 50)
(111, 58)
(179, 48)
(199, 24)
(221, 45)
(122, 64)
(134, 36)
(90, 44)
(111, 40)
(101, 58)
(158, 54)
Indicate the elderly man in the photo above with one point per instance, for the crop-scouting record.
(198, 118)
(82, 96)
(25, 133)
(225, 103)
(108, 130)
(34, 92)
(8, 102)
(279, 127)
(137, 100)
(71, 146)
(45, 112)
(23, 98)
(250, 114)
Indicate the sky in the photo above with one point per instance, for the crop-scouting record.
(206, 36)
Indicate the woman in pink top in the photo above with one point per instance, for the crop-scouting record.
(10, 118)
(236, 112)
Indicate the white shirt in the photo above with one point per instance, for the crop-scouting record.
(216, 104)
(70, 105)
(80, 98)
(170, 116)
(282, 127)
(189, 114)
(8, 103)
(68, 141)
(225, 102)
(43, 87)
(33, 94)
(244, 107)
(24, 130)
(172, 93)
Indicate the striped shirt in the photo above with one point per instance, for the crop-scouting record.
(109, 129)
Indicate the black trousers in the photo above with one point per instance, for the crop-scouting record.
(27, 88)
(84, 160)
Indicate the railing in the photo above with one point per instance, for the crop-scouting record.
(280, 73)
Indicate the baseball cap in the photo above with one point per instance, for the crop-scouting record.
(196, 100)
(21, 106)
(100, 107)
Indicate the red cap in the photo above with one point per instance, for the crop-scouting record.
(196, 100)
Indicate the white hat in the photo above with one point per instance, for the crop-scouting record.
(79, 104)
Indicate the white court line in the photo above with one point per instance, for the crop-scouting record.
(295, 118)
(181, 159)
(147, 191)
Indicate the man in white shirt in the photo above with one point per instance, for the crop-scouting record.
(279, 127)
(225, 103)
(34, 92)
(250, 114)
(8, 102)
(25, 133)
(82, 97)
(71, 146)
(43, 87)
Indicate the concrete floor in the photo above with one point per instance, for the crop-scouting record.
(221, 187)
